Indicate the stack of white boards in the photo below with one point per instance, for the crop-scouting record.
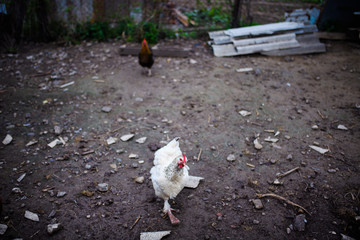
(274, 39)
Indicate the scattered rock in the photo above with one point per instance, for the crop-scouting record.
(257, 145)
(141, 140)
(342, 127)
(106, 109)
(111, 140)
(153, 235)
(153, 147)
(21, 177)
(192, 61)
(127, 137)
(289, 157)
(7, 140)
(58, 130)
(244, 113)
(31, 216)
(344, 237)
(103, 187)
(3, 229)
(299, 223)
(60, 194)
(53, 228)
(16, 190)
(133, 156)
(269, 139)
(231, 158)
(257, 203)
(139, 179)
(319, 149)
(315, 127)
(32, 142)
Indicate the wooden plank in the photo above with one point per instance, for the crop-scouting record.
(267, 47)
(303, 49)
(225, 50)
(260, 40)
(266, 29)
(162, 52)
(332, 35)
(309, 43)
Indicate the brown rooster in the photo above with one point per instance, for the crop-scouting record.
(146, 58)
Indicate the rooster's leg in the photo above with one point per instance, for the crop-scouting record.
(149, 72)
(167, 210)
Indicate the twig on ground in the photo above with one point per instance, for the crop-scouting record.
(136, 221)
(199, 155)
(287, 173)
(283, 199)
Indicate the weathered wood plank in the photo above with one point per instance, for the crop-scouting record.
(269, 29)
(162, 52)
(303, 49)
(267, 47)
(309, 43)
(225, 50)
(261, 40)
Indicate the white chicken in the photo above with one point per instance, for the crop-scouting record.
(169, 175)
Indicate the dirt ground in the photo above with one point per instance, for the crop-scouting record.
(299, 100)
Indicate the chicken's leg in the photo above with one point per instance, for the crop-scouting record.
(167, 210)
(149, 72)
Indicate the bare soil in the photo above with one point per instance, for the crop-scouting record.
(199, 102)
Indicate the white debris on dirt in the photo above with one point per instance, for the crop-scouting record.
(231, 158)
(153, 235)
(7, 140)
(53, 228)
(139, 179)
(67, 84)
(21, 177)
(32, 142)
(103, 187)
(257, 145)
(141, 140)
(3, 229)
(133, 156)
(16, 190)
(54, 143)
(257, 203)
(342, 127)
(127, 137)
(106, 109)
(111, 140)
(241, 70)
(269, 139)
(31, 216)
(244, 113)
(319, 149)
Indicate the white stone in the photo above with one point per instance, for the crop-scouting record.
(141, 140)
(269, 139)
(103, 187)
(53, 228)
(127, 137)
(231, 158)
(3, 229)
(111, 140)
(139, 179)
(244, 113)
(133, 156)
(153, 235)
(31, 216)
(21, 177)
(7, 140)
(257, 145)
(342, 127)
(319, 149)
